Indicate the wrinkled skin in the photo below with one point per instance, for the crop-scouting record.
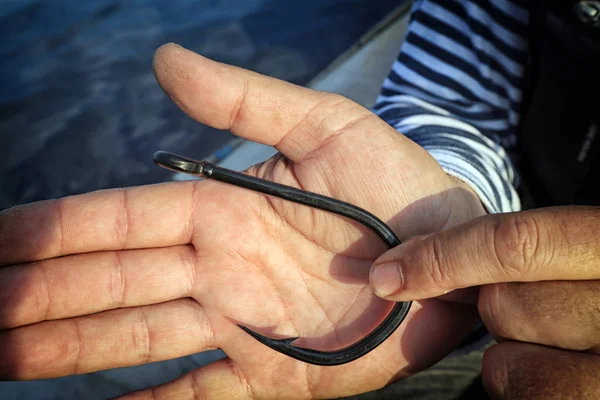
(125, 277)
(538, 274)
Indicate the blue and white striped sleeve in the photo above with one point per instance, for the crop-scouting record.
(456, 90)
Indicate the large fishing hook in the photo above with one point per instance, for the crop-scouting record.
(285, 346)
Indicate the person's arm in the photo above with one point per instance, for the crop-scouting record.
(456, 90)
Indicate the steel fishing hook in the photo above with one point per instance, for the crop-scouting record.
(285, 346)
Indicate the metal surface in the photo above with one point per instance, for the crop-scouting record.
(285, 346)
(588, 12)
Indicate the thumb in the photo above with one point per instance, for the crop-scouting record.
(558, 243)
(253, 106)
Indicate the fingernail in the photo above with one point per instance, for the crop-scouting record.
(386, 279)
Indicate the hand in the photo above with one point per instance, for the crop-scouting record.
(540, 298)
(124, 277)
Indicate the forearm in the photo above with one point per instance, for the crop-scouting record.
(463, 152)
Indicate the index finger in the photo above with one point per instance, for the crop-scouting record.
(560, 243)
(139, 217)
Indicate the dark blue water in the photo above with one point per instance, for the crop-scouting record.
(79, 106)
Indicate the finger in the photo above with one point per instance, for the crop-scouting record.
(294, 119)
(464, 296)
(559, 243)
(138, 217)
(222, 379)
(110, 339)
(260, 369)
(89, 283)
(560, 314)
(513, 370)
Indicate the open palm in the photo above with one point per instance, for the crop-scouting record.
(124, 277)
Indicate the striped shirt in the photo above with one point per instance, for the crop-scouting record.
(456, 89)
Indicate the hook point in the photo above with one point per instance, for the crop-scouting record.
(267, 340)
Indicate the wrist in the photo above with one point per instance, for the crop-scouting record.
(464, 185)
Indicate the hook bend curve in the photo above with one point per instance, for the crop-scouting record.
(285, 346)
